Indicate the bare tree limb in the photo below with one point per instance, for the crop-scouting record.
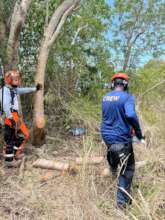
(131, 40)
(153, 87)
(56, 17)
(137, 36)
(60, 25)
(77, 33)
(47, 14)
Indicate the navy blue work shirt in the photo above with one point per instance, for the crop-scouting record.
(119, 117)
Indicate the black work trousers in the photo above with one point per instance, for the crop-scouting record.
(122, 156)
(12, 142)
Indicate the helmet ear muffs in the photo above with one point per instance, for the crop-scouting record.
(125, 83)
(112, 85)
(8, 79)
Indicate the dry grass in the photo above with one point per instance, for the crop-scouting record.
(85, 195)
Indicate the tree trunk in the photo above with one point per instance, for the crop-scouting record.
(130, 43)
(17, 21)
(3, 38)
(50, 34)
(39, 121)
(127, 58)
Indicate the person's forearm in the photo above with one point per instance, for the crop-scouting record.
(133, 121)
(25, 90)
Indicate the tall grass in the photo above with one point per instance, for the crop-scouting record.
(86, 194)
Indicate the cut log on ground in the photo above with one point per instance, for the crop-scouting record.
(140, 164)
(70, 167)
(105, 172)
(50, 164)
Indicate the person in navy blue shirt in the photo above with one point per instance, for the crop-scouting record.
(119, 118)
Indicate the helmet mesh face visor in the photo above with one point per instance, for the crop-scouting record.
(15, 80)
(121, 82)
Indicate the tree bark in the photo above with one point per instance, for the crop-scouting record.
(3, 38)
(17, 21)
(50, 34)
(39, 121)
(130, 43)
(127, 58)
(2, 31)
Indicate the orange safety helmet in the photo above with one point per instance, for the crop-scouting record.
(12, 78)
(120, 75)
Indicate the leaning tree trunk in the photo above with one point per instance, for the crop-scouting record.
(17, 21)
(50, 34)
(39, 121)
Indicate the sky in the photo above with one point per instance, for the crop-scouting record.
(111, 2)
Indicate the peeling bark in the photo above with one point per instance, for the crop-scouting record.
(2, 31)
(50, 34)
(17, 21)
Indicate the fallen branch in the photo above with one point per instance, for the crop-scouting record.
(153, 87)
(51, 138)
(89, 160)
(22, 168)
(48, 176)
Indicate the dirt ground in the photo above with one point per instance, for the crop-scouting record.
(29, 193)
(32, 193)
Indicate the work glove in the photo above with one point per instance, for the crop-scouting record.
(13, 123)
(38, 86)
(142, 140)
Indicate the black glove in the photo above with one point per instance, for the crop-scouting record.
(38, 86)
(141, 138)
(13, 123)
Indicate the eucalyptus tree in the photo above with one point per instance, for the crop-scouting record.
(80, 54)
(138, 30)
(12, 18)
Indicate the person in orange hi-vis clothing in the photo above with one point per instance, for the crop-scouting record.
(16, 133)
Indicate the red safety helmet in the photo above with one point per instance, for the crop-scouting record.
(12, 78)
(120, 79)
